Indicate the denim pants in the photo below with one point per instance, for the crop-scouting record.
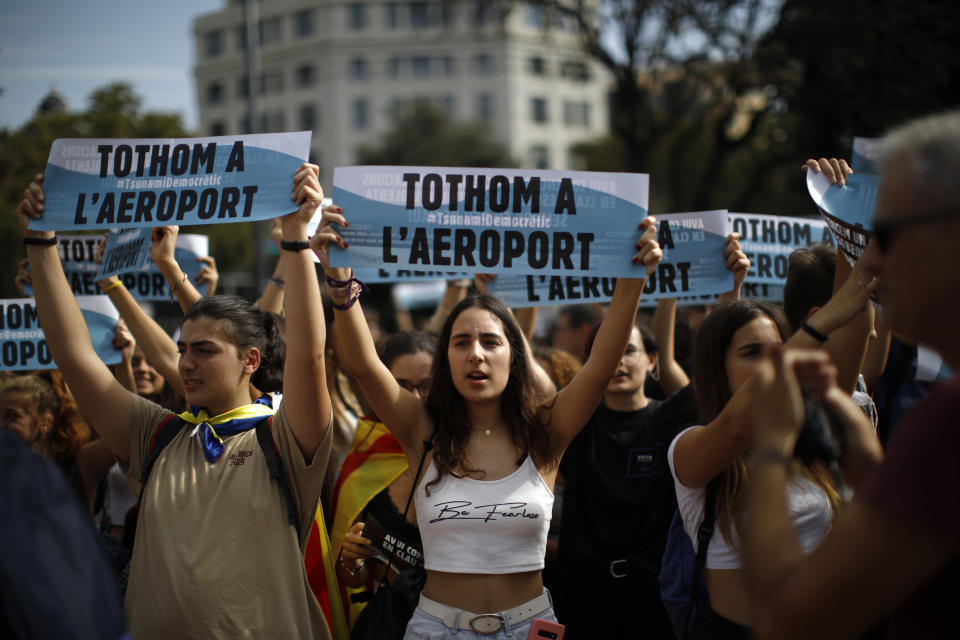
(423, 626)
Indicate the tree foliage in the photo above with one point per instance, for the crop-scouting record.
(423, 135)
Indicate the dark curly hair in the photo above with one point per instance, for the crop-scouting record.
(518, 403)
(247, 327)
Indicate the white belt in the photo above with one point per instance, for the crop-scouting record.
(485, 623)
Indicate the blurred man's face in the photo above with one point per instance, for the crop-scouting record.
(918, 265)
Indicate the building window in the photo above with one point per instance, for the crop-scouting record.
(540, 157)
(448, 105)
(393, 15)
(213, 43)
(485, 107)
(576, 71)
(308, 117)
(240, 36)
(361, 114)
(537, 66)
(482, 64)
(446, 13)
(538, 110)
(447, 64)
(534, 16)
(303, 23)
(419, 14)
(243, 89)
(576, 114)
(273, 121)
(271, 30)
(481, 12)
(271, 81)
(217, 129)
(245, 126)
(215, 93)
(396, 67)
(357, 16)
(358, 68)
(421, 66)
(305, 75)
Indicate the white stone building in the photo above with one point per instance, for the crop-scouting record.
(339, 68)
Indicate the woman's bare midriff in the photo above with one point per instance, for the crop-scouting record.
(483, 593)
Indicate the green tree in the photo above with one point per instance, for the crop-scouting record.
(423, 135)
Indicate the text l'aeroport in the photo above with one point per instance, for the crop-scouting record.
(465, 247)
(185, 163)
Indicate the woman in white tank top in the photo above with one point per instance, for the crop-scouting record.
(483, 503)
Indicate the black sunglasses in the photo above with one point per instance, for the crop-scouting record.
(883, 230)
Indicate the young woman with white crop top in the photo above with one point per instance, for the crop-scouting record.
(728, 350)
(484, 500)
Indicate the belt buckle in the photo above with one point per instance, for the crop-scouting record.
(614, 572)
(485, 619)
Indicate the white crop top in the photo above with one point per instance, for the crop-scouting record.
(808, 504)
(485, 526)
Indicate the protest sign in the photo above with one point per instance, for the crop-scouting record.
(147, 283)
(769, 240)
(127, 182)
(848, 210)
(22, 342)
(125, 252)
(692, 264)
(490, 220)
(373, 276)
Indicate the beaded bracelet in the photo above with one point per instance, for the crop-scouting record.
(356, 288)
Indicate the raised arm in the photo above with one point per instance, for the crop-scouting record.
(163, 242)
(739, 264)
(393, 404)
(868, 561)
(272, 298)
(102, 400)
(672, 377)
(158, 347)
(573, 405)
(305, 393)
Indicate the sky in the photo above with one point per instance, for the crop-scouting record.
(76, 46)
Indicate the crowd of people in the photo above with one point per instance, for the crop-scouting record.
(280, 467)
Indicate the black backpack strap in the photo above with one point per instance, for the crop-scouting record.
(271, 454)
(704, 533)
(165, 432)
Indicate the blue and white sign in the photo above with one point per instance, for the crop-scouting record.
(126, 182)
(22, 342)
(769, 240)
(490, 220)
(375, 276)
(693, 264)
(848, 210)
(126, 251)
(865, 155)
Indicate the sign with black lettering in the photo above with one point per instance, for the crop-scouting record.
(769, 240)
(847, 210)
(490, 220)
(146, 283)
(386, 544)
(692, 265)
(22, 342)
(104, 183)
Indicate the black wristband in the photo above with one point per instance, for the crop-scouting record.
(294, 246)
(813, 333)
(48, 242)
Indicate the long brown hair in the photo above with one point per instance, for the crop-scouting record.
(518, 403)
(49, 394)
(712, 387)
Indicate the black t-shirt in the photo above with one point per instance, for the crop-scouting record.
(618, 491)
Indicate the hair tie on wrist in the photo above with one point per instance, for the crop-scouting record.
(47, 242)
(813, 333)
(294, 245)
(118, 283)
(354, 290)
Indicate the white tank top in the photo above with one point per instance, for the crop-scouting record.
(485, 526)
